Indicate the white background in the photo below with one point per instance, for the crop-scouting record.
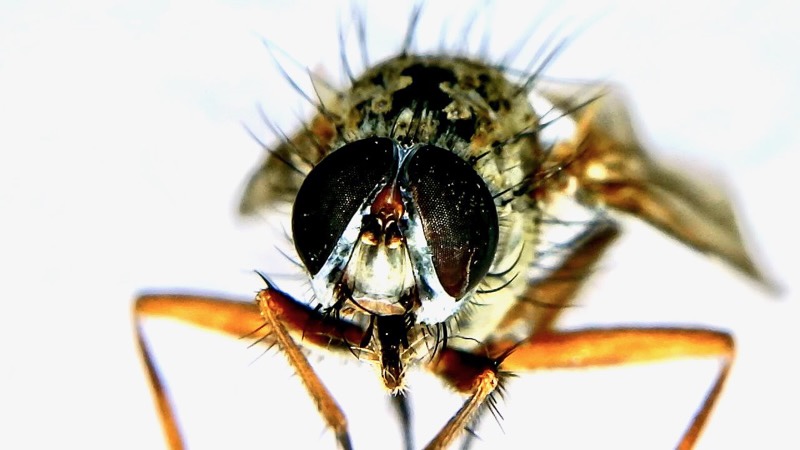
(122, 153)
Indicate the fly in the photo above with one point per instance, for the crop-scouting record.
(425, 197)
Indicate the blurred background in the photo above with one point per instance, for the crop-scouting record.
(123, 152)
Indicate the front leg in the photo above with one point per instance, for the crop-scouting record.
(481, 375)
(467, 373)
(270, 301)
(271, 318)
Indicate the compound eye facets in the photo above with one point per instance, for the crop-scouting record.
(333, 192)
(458, 215)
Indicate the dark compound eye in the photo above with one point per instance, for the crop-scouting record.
(459, 218)
(333, 192)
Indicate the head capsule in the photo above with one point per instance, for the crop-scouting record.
(387, 230)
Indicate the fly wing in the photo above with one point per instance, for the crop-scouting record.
(594, 145)
(278, 178)
(280, 175)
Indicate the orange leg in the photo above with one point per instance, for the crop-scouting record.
(480, 375)
(610, 347)
(270, 302)
(467, 373)
(475, 374)
(229, 317)
(265, 320)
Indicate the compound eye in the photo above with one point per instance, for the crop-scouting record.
(459, 217)
(333, 192)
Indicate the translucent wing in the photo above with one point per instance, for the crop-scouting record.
(278, 178)
(280, 175)
(596, 153)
